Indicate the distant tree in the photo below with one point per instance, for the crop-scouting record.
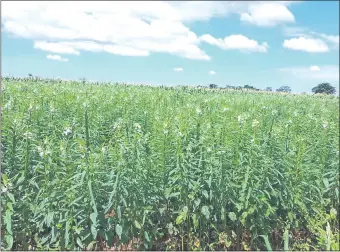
(269, 89)
(284, 89)
(30, 75)
(248, 87)
(213, 86)
(83, 80)
(324, 88)
(230, 87)
(251, 87)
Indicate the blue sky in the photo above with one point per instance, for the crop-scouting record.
(175, 43)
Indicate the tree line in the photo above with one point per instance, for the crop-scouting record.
(322, 88)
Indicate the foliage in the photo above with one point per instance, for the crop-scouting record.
(250, 87)
(269, 89)
(100, 165)
(285, 89)
(212, 85)
(324, 88)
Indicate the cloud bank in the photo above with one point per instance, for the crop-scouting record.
(136, 28)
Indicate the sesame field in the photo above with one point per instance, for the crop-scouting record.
(96, 166)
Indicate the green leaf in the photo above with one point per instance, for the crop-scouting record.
(209, 181)
(180, 218)
(9, 241)
(93, 217)
(290, 216)
(119, 230)
(93, 202)
(205, 193)
(195, 220)
(137, 224)
(119, 213)
(326, 183)
(11, 197)
(146, 235)
(9, 206)
(185, 210)
(94, 231)
(4, 179)
(80, 244)
(197, 202)
(266, 241)
(53, 237)
(81, 142)
(67, 234)
(49, 218)
(286, 240)
(8, 221)
(90, 247)
(232, 216)
(222, 214)
(205, 211)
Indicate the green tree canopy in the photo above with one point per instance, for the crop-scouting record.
(324, 88)
(285, 89)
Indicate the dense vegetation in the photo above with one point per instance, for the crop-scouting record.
(90, 166)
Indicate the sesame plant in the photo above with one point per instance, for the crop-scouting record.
(95, 166)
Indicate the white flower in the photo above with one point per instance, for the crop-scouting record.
(137, 126)
(7, 105)
(103, 149)
(225, 109)
(198, 111)
(255, 123)
(28, 135)
(274, 112)
(333, 212)
(41, 151)
(239, 118)
(67, 131)
(324, 124)
(4, 189)
(264, 107)
(208, 149)
(166, 132)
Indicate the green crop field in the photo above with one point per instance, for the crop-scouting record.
(105, 166)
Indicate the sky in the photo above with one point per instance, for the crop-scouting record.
(262, 44)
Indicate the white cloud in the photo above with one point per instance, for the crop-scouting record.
(306, 44)
(314, 68)
(55, 47)
(56, 57)
(212, 72)
(235, 42)
(295, 31)
(178, 69)
(127, 28)
(332, 41)
(268, 14)
(328, 73)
